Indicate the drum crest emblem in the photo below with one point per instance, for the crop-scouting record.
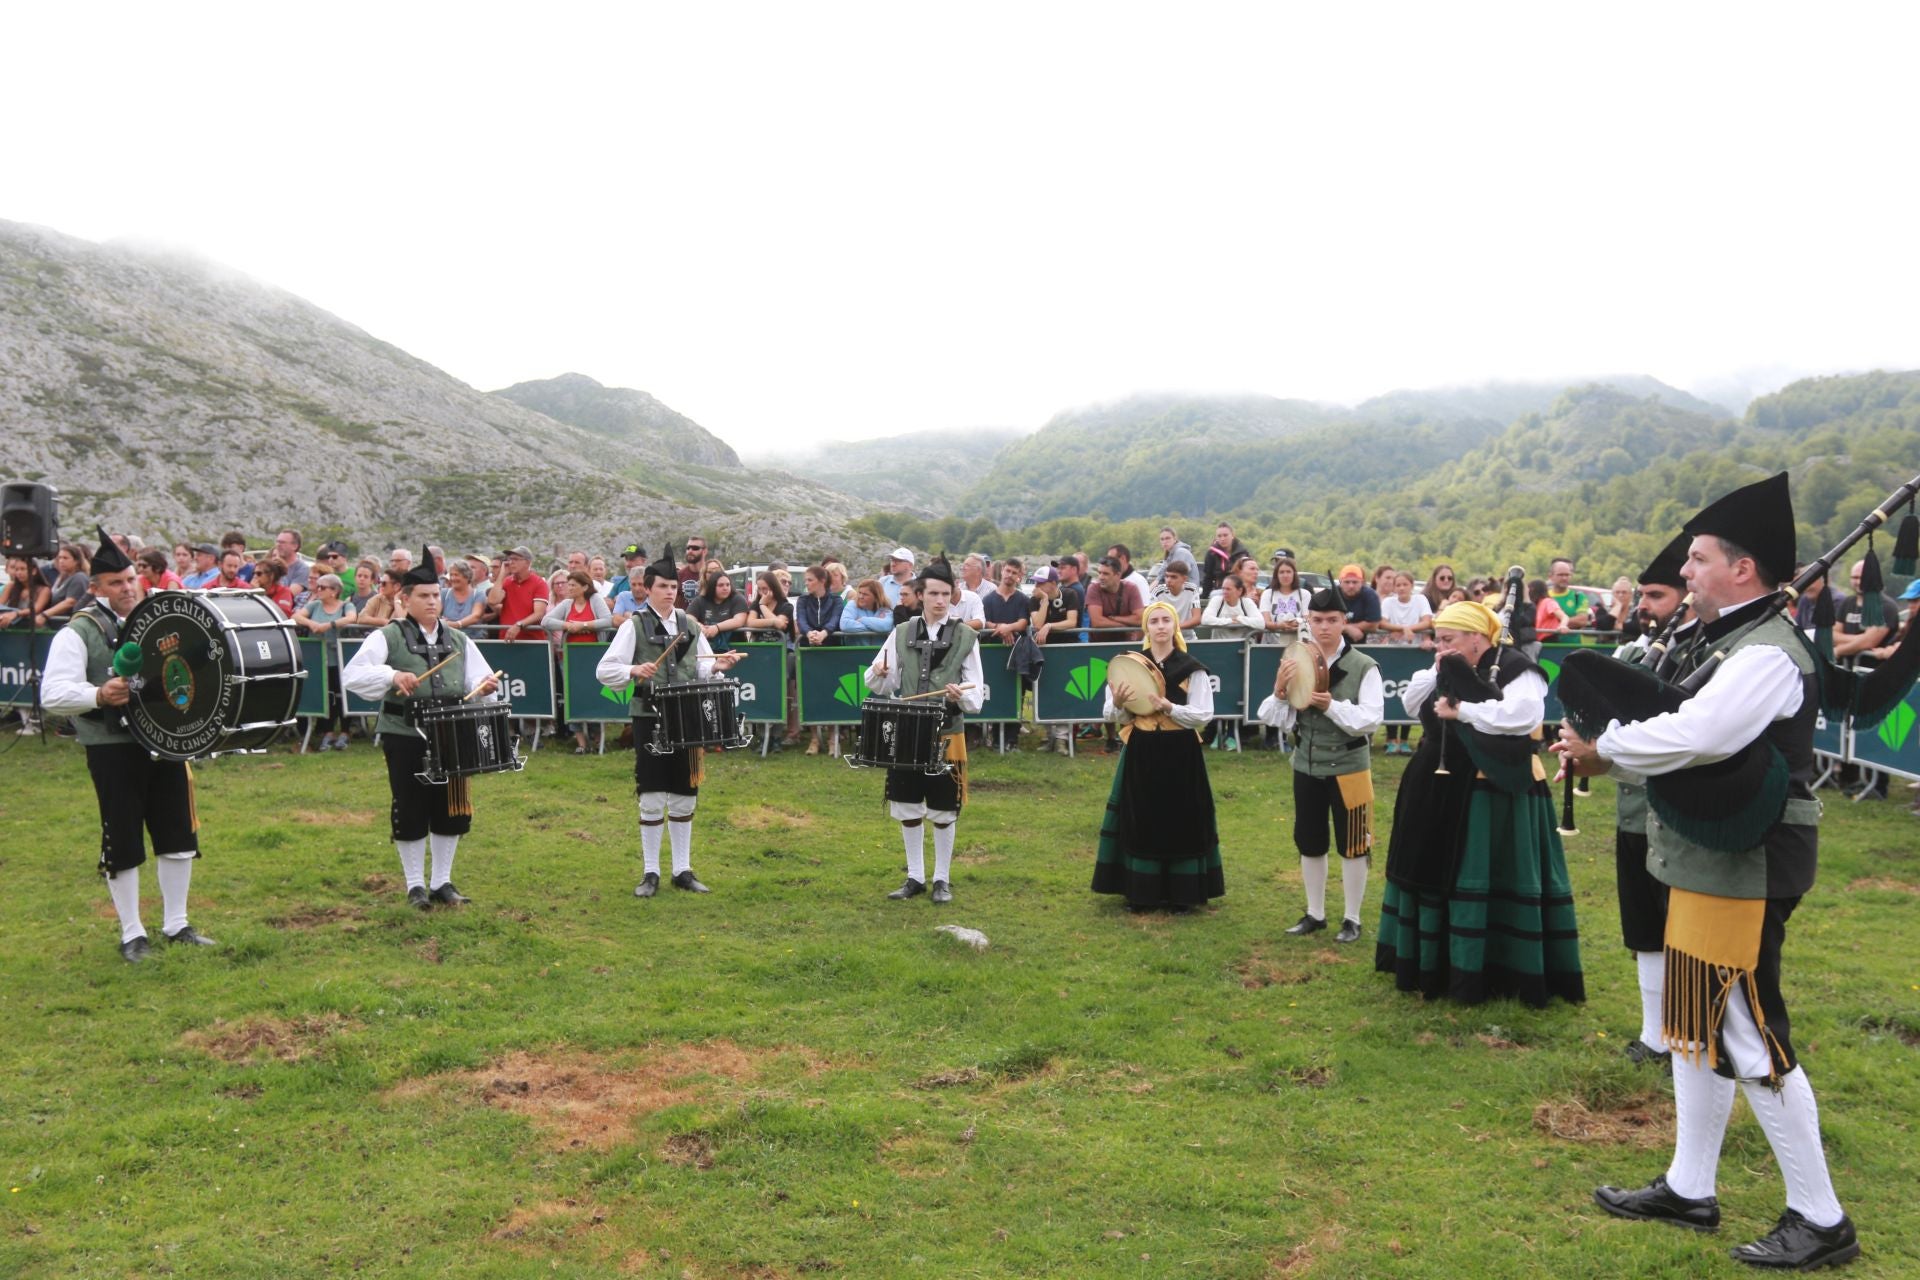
(177, 678)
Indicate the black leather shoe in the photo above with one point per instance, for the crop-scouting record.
(1656, 1202)
(1641, 1054)
(188, 936)
(686, 881)
(447, 895)
(1306, 925)
(134, 950)
(1795, 1244)
(419, 897)
(648, 886)
(910, 889)
(941, 893)
(1349, 931)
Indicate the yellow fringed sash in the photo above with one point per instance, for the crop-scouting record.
(696, 766)
(193, 804)
(957, 757)
(1356, 794)
(1712, 943)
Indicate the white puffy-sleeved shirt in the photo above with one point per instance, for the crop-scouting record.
(368, 675)
(1519, 710)
(1194, 715)
(64, 687)
(1359, 718)
(887, 683)
(615, 668)
(1753, 688)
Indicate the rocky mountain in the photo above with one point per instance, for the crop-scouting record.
(922, 471)
(172, 397)
(623, 414)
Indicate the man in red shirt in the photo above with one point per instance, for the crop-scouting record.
(523, 602)
(690, 571)
(230, 578)
(1114, 602)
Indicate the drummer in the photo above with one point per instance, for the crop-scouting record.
(1332, 761)
(391, 668)
(933, 652)
(652, 643)
(135, 790)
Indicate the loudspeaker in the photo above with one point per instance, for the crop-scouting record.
(29, 520)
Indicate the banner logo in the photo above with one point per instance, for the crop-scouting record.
(852, 689)
(1895, 729)
(1087, 680)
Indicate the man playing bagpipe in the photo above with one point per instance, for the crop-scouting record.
(1732, 834)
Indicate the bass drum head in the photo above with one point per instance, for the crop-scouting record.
(187, 707)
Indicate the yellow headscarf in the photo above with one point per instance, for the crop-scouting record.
(1179, 640)
(1468, 615)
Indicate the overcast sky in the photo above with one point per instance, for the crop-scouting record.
(796, 222)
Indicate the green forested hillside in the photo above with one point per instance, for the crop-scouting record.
(1600, 475)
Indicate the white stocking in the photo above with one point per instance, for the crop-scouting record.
(413, 862)
(1702, 1101)
(1353, 886)
(1313, 873)
(943, 847)
(913, 834)
(1791, 1121)
(174, 871)
(680, 831)
(1653, 976)
(124, 886)
(443, 849)
(653, 815)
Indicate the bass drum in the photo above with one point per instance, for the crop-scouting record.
(219, 671)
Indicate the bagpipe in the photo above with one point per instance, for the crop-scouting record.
(1729, 806)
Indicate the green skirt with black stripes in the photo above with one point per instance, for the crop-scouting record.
(1506, 927)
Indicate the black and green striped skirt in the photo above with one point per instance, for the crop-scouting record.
(1159, 846)
(1506, 927)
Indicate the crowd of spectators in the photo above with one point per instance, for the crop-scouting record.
(1073, 597)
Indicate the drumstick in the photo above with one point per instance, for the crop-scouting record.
(932, 693)
(476, 689)
(443, 662)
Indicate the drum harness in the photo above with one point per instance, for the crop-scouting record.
(432, 654)
(932, 653)
(103, 617)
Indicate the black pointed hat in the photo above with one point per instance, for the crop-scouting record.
(1759, 517)
(1664, 569)
(1326, 600)
(665, 566)
(422, 574)
(937, 570)
(109, 558)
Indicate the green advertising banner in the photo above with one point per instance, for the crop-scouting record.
(762, 674)
(833, 684)
(313, 689)
(1073, 684)
(21, 656)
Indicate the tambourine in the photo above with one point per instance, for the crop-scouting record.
(1136, 684)
(1309, 675)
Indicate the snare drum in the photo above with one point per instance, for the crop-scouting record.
(896, 733)
(464, 738)
(696, 713)
(220, 671)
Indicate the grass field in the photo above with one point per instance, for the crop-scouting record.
(795, 1077)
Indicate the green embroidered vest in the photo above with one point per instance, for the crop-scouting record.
(418, 658)
(650, 640)
(948, 660)
(1322, 749)
(104, 726)
(1782, 865)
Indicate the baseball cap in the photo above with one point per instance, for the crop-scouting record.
(1046, 574)
(336, 547)
(900, 553)
(633, 551)
(1282, 553)
(522, 552)
(1913, 590)
(206, 549)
